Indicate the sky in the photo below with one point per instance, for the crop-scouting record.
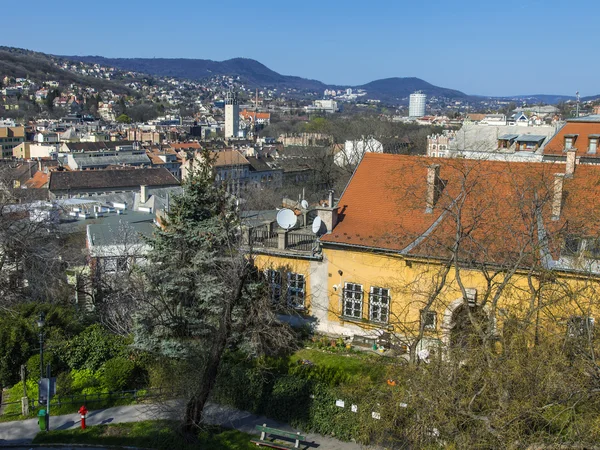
(483, 47)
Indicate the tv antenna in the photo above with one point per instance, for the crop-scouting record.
(304, 204)
(286, 218)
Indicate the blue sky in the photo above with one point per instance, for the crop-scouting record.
(506, 47)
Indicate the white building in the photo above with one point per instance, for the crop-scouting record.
(232, 116)
(416, 107)
(354, 151)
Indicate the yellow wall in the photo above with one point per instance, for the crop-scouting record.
(412, 281)
(285, 264)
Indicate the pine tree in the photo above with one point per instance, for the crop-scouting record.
(204, 293)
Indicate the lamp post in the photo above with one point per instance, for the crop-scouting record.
(40, 323)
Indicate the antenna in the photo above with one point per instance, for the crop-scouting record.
(286, 218)
(304, 204)
(317, 225)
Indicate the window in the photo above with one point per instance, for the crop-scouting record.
(122, 265)
(593, 147)
(295, 290)
(572, 245)
(274, 282)
(428, 320)
(569, 141)
(353, 300)
(379, 304)
(579, 326)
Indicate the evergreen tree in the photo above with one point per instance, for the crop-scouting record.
(204, 294)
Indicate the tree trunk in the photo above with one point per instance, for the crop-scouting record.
(195, 406)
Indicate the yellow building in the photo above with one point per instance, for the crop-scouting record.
(416, 247)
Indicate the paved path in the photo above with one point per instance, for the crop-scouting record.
(23, 431)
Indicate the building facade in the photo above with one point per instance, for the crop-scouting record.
(232, 116)
(416, 107)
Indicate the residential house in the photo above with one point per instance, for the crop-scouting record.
(579, 137)
(388, 258)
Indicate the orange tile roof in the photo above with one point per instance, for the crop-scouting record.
(251, 115)
(38, 181)
(185, 145)
(556, 145)
(384, 206)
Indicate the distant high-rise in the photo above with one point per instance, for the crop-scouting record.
(232, 115)
(416, 107)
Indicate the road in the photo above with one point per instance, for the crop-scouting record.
(22, 432)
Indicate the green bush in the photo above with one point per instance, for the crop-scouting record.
(93, 347)
(119, 374)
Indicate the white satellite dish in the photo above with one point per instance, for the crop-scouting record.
(286, 218)
(316, 225)
(304, 204)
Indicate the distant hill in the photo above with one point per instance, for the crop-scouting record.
(256, 74)
(251, 71)
(21, 63)
(399, 88)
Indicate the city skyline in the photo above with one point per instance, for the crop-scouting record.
(514, 48)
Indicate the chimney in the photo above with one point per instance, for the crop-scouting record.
(557, 199)
(328, 214)
(433, 175)
(571, 162)
(143, 193)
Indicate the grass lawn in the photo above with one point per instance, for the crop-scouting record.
(156, 434)
(357, 365)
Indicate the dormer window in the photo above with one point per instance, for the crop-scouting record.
(570, 141)
(593, 143)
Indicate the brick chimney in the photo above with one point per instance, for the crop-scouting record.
(571, 162)
(433, 177)
(557, 197)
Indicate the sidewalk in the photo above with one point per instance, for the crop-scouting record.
(23, 431)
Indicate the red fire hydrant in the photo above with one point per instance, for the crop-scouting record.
(83, 412)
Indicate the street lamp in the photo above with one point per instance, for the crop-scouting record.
(40, 323)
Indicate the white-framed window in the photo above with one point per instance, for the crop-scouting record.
(274, 281)
(579, 326)
(428, 320)
(295, 290)
(593, 147)
(353, 300)
(379, 304)
(568, 142)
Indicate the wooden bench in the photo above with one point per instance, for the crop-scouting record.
(268, 435)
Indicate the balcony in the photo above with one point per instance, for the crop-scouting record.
(301, 242)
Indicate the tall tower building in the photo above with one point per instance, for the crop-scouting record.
(232, 115)
(416, 107)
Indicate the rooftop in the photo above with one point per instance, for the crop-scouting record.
(104, 179)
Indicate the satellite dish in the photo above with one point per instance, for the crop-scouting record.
(304, 204)
(317, 225)
(286, 218)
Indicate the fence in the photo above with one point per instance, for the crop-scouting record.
(304, 242)
(10, 409)
(262, 237)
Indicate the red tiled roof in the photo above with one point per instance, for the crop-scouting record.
(38, 181)
(185, 145)
(251, 115)
(556, 145)
(384, 206)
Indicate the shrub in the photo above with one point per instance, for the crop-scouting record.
(93, 347)
(120, 374)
